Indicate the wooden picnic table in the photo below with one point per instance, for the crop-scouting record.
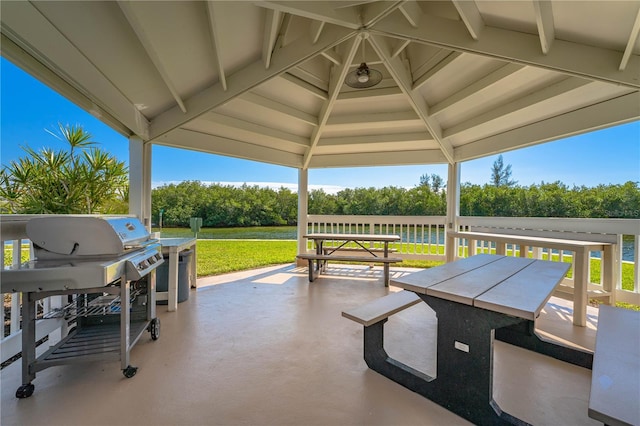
(475, 300)
(371, 254)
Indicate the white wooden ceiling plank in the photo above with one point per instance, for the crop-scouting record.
(204, 142)
(403, 79)
(436, 69)
(337, 78)
(631, 43)
(544, 20)
(318, 93)
(244, 127)
(412, 12)
(272, 20)
(365, 139)
(561, 88)
(319, 11)
(290, 112)
(468, 11)
(620, 110)
(367, 159)
(216, 43)
(368, 93)
(478, 88)
(147, 45)
(386, 117)
(567, 57)
(440, 55)
(247, 78)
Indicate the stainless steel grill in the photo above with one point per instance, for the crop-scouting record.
(106, 267)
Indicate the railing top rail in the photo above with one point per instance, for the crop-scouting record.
(586, 225)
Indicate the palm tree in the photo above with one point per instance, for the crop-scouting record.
(83, 179)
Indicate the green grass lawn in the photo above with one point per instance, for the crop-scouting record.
(217, 256)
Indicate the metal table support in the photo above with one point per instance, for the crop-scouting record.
(464, 359)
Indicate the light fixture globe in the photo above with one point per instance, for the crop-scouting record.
(363, 77)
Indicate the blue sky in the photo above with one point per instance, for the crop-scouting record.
(29, 109)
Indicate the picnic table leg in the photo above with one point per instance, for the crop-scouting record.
(580, 274)
(524, 250)
(608, 273)
(386, 264)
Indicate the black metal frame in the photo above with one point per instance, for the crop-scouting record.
(465, 359)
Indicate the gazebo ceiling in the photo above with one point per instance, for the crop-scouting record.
(265, 80)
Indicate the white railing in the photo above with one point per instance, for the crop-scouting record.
(423, 238)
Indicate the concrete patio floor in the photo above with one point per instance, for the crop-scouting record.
(266, 347)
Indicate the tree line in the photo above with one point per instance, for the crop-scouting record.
(230, 206)
(86, 179)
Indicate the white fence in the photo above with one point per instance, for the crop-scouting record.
(424, 238)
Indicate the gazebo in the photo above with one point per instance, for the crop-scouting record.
(317, 84)
(321, 84)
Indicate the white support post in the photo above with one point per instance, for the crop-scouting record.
(303, 203)
(140, 180)
(453, 210)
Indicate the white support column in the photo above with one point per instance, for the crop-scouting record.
(303, 204)
(140, 180)
(146, 180)
(453, 210)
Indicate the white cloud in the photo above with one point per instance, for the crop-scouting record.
(329, 189)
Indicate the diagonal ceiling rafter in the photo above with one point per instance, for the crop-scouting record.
(215, 39)
(148, 46)
(403, 79)
(334, 89)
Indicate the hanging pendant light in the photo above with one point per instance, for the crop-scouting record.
(363, 77)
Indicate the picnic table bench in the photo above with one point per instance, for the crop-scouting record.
(615, 380)
(324, 254)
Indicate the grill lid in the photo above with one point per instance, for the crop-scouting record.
(85, 236)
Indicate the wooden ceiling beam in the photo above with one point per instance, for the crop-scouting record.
(272, 20)
(477, 88)
(318, 11)
(216, 44)
(204, 142)
(631, 43)
(571, 58)
(544, 20)
(624, 109)
(402, 77)
(336, 81)
(246, 79)
(147, 45)
(412, 12)
(561, 88)
(470, 15)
